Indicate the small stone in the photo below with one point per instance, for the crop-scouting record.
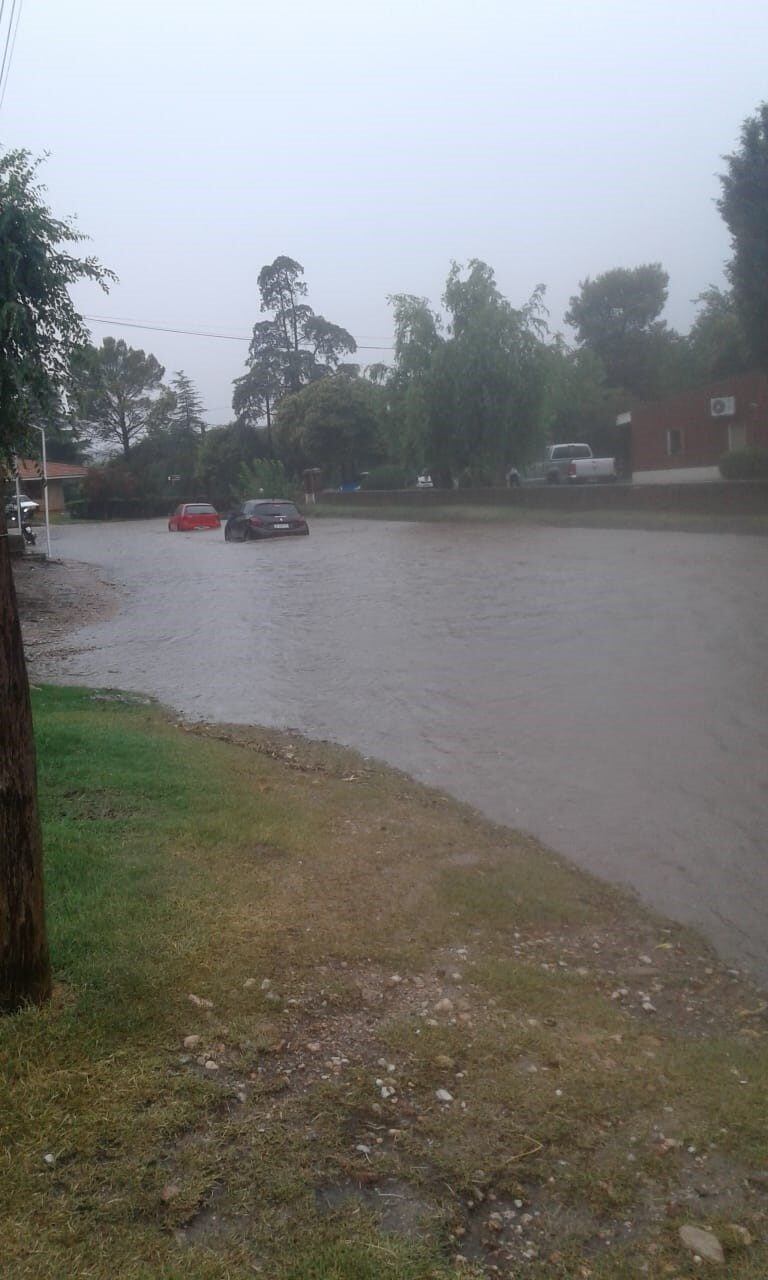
(272, 997)
(200, 1002)
(169, 1191)
(702, 1242)
(496, 1222)
(444, 1062)
(394, 980)
(314, 1046)
(740, 1234)
(444, 1006)
(266, 984)
(210, 1065)
(191, 1042)
(49, 1159)
(443, 1095)
(249, 983)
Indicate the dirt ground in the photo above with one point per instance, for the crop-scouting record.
(55, 598)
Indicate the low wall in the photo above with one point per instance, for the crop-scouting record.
(737, 497)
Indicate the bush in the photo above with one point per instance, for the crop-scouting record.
(388, 476)
(745, 464)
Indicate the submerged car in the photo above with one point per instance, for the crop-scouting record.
(265, 518)
(194, 515)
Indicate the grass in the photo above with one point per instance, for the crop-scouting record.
(662, 521)
(362, 943)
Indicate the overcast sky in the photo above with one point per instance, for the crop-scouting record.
(374, 143)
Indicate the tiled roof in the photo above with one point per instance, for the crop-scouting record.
(32, 469)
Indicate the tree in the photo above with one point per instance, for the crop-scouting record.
(260, 387)
(717, 342)
(221, 456)
(334, 423)
(188, 408)
(497, 366)
(118, 391)
(616, 316)
(469, 401)
(38, 329)
(744, 208)
(290, 350)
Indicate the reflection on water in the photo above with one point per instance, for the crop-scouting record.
(605, 690)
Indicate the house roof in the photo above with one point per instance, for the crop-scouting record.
(32, 469)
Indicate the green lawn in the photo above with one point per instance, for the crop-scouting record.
(354, 943)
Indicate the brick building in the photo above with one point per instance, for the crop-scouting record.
(684, 437)
(59, 474)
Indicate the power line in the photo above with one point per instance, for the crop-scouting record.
(191, 333)
(5, 70)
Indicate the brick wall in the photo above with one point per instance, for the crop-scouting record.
(703, 439)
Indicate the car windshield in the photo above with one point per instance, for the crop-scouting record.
(200, 509)
(270, 509)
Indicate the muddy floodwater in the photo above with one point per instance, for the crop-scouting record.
(605, 690)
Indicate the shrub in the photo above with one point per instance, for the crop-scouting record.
(745, 464)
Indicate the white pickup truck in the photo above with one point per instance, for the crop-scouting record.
(574, 464)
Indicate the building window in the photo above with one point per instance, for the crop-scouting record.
(737, 436)
(674, 441)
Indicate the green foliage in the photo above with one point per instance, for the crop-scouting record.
(187, 411)
(118, 391)
(39, 326)
(616, 317)
(264, 477)
(744, 208)
(335, 424)
(290, 350)
(221, 456)
(470, 401)
(717, 342)
(745, 464)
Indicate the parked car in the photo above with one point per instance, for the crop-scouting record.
(28, 505)
(265, 518)
(194, 515)
(424, 481)
(575, 464)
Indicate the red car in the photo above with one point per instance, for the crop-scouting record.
(194, 515)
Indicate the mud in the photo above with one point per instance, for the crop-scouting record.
(605, 690)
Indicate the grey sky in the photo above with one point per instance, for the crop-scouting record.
(197, 141)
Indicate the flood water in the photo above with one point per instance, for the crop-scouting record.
(605, 690)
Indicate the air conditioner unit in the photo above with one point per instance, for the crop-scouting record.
(723, 407)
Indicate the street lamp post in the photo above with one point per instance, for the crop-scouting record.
(45, 496)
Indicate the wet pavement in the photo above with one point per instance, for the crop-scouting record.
(605, 690)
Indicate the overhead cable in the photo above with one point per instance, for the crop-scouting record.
(192, 333)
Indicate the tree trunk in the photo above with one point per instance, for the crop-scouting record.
(25, 971)
(269, 426)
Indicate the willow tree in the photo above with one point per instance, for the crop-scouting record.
(39, 329)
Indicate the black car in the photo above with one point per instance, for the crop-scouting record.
(265, 518)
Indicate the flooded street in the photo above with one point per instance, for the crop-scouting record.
(605, 690)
